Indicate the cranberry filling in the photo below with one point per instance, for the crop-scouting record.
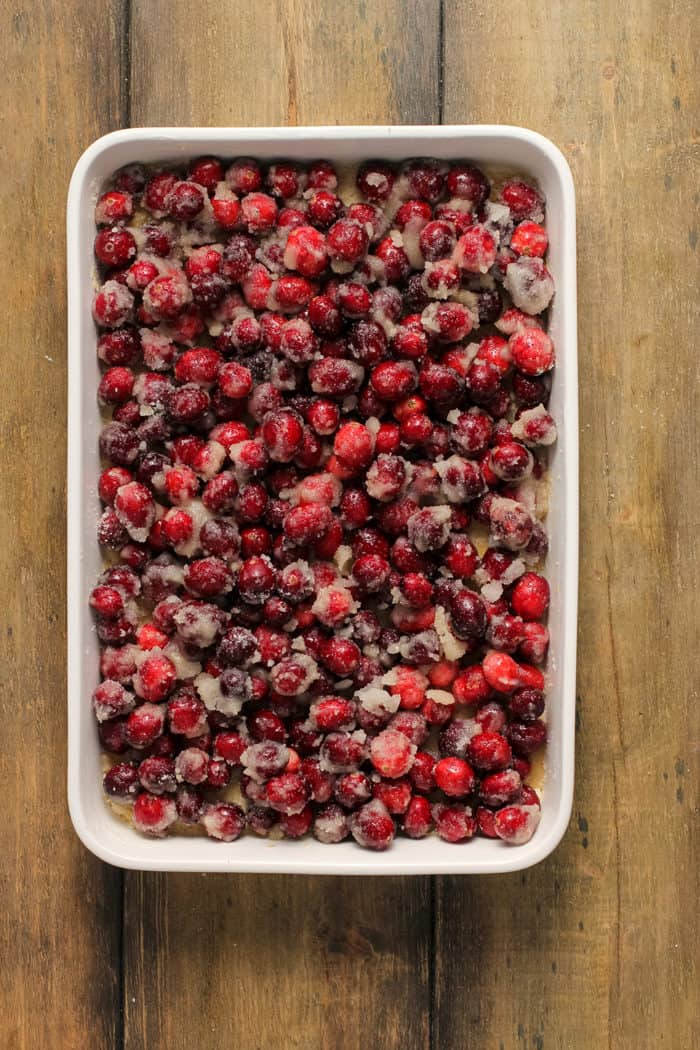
(319, 409)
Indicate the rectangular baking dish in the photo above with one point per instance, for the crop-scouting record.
(103, 833)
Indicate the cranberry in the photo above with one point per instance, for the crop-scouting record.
(187, 715)
(455, 822)
(306, 251)
(331, 824)
(352, 789)
(517, 824)
(417, 821)
(115, 206)
(296, 825)
(189, 805)
(113, 736)
(153, 814)
(256, 579)
(535, 642)
(468, 183)
(157, 775)
(530, 390)
(532, 351)
(524, 201)
(526, 738)
(144, 725)
(372, 826)
(490, 717)
(375, 181)
(121, 782)
(115, 247)
(530, 596)
(340, 655)
(224, 821)
(347, 241)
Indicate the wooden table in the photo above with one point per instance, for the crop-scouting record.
(595, 947)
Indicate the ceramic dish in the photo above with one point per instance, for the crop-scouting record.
(516, 149)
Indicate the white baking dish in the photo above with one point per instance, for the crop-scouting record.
(101, 831)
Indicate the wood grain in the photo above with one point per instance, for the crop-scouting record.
(598, 945)
(252, 961)
(60, 922)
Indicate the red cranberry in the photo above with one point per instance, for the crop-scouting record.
(526, 738)
(115, 247)
(375, 181)
(256, 579)
(372, 826)
(121, 782)
(454, 823)
(530, 596)
(153, 814)
(157, 775)
(331, 824)
(347, 241)
(296, 825)
(417, 821)
(517, 824)
(224, 821)
(352, 789)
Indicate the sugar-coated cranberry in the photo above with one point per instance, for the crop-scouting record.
(530, 596)
(454, 822)
(224, 821)
(296, 825)
(417, 820)
(153, 814)
(372, 826)
(331, 824)
(526, 737)
(121, 782)
(524, 201)
(517, 824)
(454, 777)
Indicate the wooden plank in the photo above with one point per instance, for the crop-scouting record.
(60, 929)
(259, 961)
(598, 945)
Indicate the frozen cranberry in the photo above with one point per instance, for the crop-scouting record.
(115, 247)
(306, 251)
(417, 821)
(119, 347)
(144, 725)
(157, 775)
(287, 793)
(526, 704)
(375, 181)
(347, 241)
(455, 822)
(530, 390)
(113, 736)
(352, 789)
(256, 579)
(187, 715)
(511, 523)
(224, 821)
(532, 351)
(121, 782)
(535, 642)
(454, 738)
(296, 825)
(526, 738)
(372, 826)
(340, 655)
(331, 824)
(455, 777)
(189, 805)
(468, 183)
(524, 201)
(490, 717)
(107, 602)
(353, 445)
(244, 175)
(208, 577)
(517, 824)
(392, 753)
(110, 700)
(115, 206)
(489, 751)
(153, 814)
(486, 821)
(422, 772)
(261, 820)
(112, 305)
(530, 596)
